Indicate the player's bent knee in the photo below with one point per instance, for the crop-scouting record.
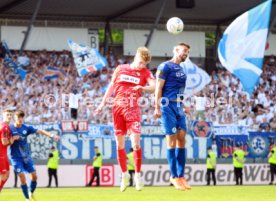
(171, 144)
(136, 147)
(34, 177)
(22, 178)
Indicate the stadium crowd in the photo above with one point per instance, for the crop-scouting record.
(47, 101)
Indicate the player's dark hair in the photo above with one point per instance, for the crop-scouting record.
(19, 113)
(184, 44)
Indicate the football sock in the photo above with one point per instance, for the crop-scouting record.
(33, 186)
(172, 162)
(122, 159)
(180, 161)
(138, 159)
(25, 191)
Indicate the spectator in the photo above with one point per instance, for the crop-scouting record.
(264, 125)
(273, 123)
(30, 93)
(74, 99)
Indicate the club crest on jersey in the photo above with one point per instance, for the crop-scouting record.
(24, 132)
(174, 130)
(6, 134)
(131, 79)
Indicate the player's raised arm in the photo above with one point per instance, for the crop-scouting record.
(48, 134)
(108, 92)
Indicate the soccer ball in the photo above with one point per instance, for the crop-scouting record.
(175, 25)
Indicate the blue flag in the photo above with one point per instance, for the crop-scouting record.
(10, 63)
(197, 78)
(241, 48)
(86, 59)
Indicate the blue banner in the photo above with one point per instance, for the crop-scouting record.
(226, 144)
(80, 145)
(154, 147)
(260, 143)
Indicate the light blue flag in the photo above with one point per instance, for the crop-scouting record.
(241, 49)
(86, 59)
(197, 78)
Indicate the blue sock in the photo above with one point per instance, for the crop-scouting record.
(25, 191)
(172, 161)
(180, 161)
(33, 186)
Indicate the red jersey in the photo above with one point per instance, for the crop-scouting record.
(126, 79)
(5, 133)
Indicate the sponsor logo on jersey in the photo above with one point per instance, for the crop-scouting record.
(128, 78)
(180, 74)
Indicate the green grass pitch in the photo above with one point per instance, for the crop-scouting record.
(198, 193)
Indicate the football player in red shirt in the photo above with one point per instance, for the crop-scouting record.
(127, 84)
(5, 140)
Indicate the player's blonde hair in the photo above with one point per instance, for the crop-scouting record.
(7, 111)
(144, 54)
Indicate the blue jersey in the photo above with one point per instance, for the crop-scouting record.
(175, 80)
(20, 148)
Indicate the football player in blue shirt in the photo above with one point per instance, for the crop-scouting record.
(170, 86)
(20, 153)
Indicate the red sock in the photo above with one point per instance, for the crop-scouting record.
(138, 159)
(122, 159)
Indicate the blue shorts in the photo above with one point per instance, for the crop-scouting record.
(23, 165)
(173, 118)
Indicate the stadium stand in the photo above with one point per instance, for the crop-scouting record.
(257, 112)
